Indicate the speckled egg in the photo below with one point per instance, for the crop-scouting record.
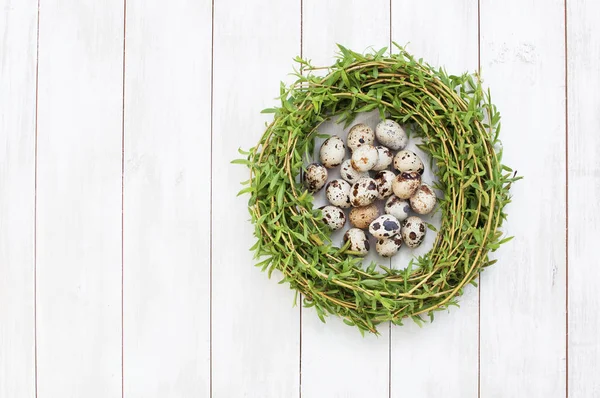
(358, 241)
(315, 177)
(349, 174)
(413, 231)
(423, 201)
(364, 158)
(391, 134)
(385, 158)
(338, 193)
(397, 207)
(361, 217)
(360, 134)
(363, 192)
(334, 217)
(408, 161)
(384, 226)
(406, 184)
(388, 247)
(384, 180)
(332, 152)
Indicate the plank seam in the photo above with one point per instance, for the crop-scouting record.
(35, 184)
(123, 204)
(210, 272)
(566, 66)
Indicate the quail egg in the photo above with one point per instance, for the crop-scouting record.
(349, 174)
(363, 192)
(385, 158)
(406, 184)
(423, 201)
(397, 207)
(391, 134)
(332, 152)
(358, 241)
(338, 193)
(360, 134)
(361, 217)
(384, 226)
(384, 180)
(334, 217)
(413, 231)
(389, 246)
(364, 158)
(408, 161)
(315, 177)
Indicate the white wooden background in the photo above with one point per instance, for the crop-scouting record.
(124, 262)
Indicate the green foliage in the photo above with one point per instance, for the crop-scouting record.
(459, 127)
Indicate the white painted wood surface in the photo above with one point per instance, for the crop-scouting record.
(145, 285)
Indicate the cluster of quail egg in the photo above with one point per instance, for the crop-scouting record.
(374, 172)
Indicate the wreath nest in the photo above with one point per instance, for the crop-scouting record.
(459, 127)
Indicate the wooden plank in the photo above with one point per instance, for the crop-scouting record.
(523, 295)
(335, 356)
(79, 198)
(166, 239)
(453, 45)
(255, 343)
(18, 47)
(583, 45)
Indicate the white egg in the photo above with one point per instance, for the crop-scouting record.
(364, 158)
(397, 207)
(361, 217)
(391, 134)
(413, 231)
(384, 226)
(338, 193)
(363, 192)
(385, 158)
(423, 201)
(349, 174)
(315, 177)
(332, 152)
(406, 184)
(388, 247)
(358, 241)
(384, 180)
(360, 134)
(408, 161)
(334, 217)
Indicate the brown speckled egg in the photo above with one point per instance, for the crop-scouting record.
(408, 161)
(388, 247)
(364, 158)
(423, 201)
(338, 193)
(384, 226)
(349, 174)
(358, 241)
(332, 152)
(315, 177)
(361, 217)
(360, 134)
(413, 231)
(384, 180)
(334, 217)
(406, 184)
(363, 192)
(397, 207)
(385, 158)
(391, 134)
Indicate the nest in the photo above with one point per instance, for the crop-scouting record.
(459, 128)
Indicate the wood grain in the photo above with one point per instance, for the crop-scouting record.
(584, 196)
(452, 339)
(523, 295)
(335, 356)
(255, 328)
(18, 46)
(79, 199)
(167, 199)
